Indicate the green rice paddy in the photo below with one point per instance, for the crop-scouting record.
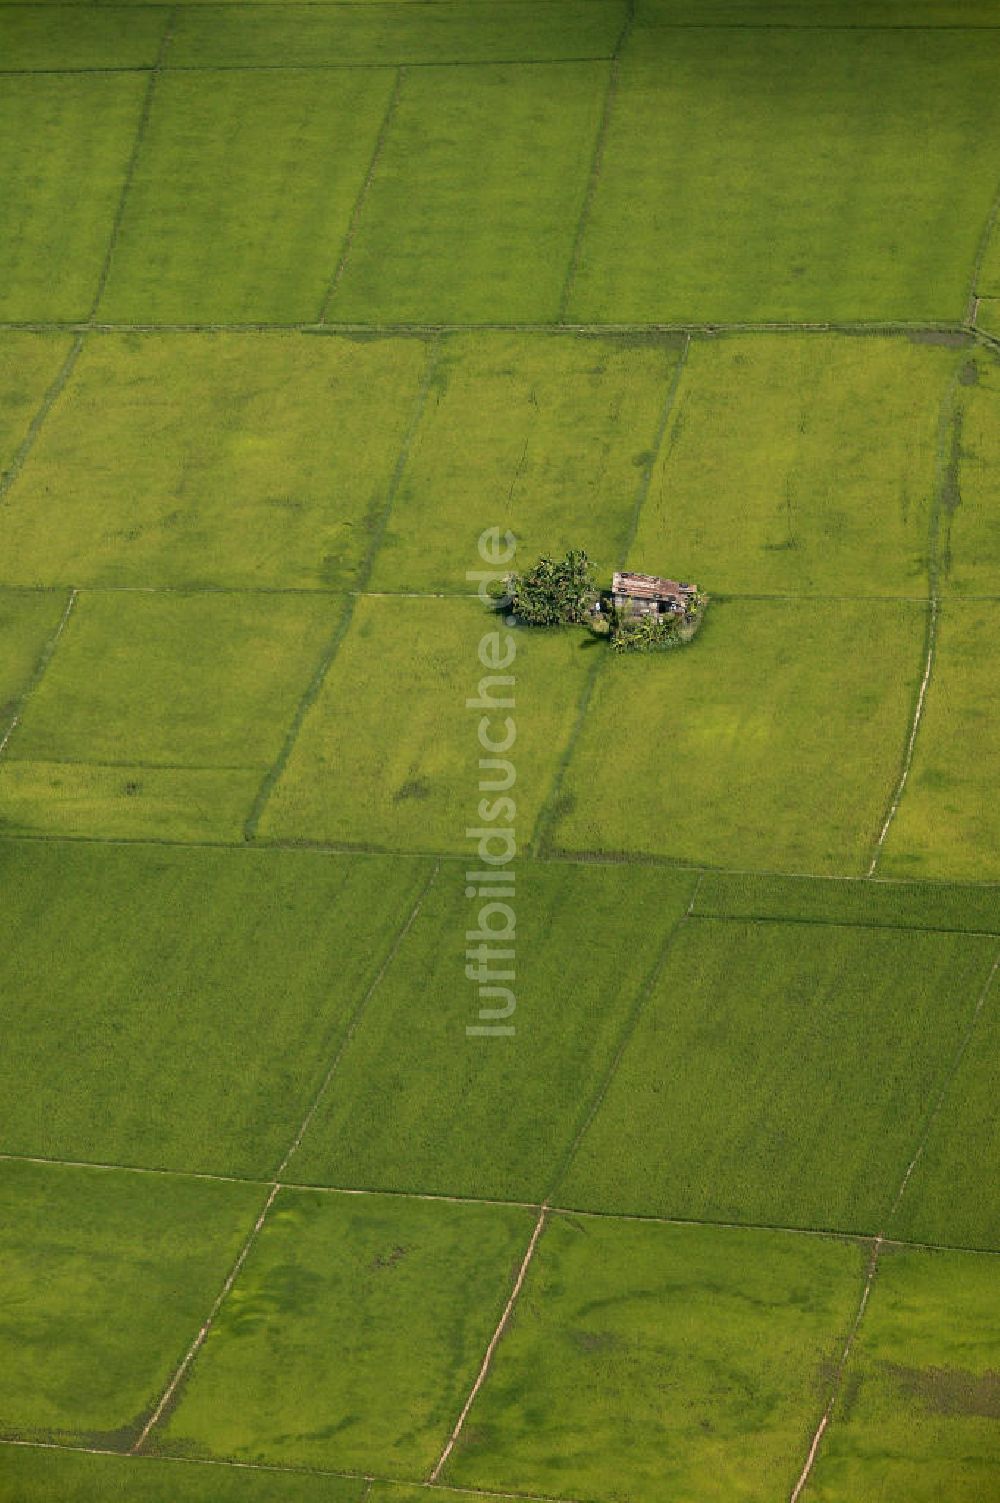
(297, 302)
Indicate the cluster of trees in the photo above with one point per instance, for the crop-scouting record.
(647, 633)
(555, 592)
(564, 592)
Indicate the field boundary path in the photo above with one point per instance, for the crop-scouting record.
(876, 328)
(556, 857)
(930, 640)
(169, 1394)
(339, 593)
(549, 812)
(553, 1208)
(947, 460)
(545, 1208)
(278, 1469)
(495, 1340)
(597, 161)
(140, 135)
(378, 65)
(342, 627)
(982, 250)
(49, 399)
(643, 995)
(44, 658)
(882, 1238)
(363, 192)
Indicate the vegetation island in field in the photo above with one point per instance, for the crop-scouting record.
(640, 612)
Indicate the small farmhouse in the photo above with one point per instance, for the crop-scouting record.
(646, 595)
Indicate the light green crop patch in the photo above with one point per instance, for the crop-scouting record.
(472, 212)
(543, 435)
(352, 1335)
(786, 174)
(38, 1476)
(773, 741)
(948, 823)
(28, 622)
(179, 1009)
(242, 195)
(449, 31)
(124, 801)
(489, 1116)
(944, 1200)
(799, 464)
(388, 754)
(198, 687)
(79, 37)
(917, 1419)
(29, 364)
(969, 544)
(988, 281)
(780, 1076)
(107, 1276)
(213, 459)
(689, 1360)
(65, 142)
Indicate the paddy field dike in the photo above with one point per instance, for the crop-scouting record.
(298, 302)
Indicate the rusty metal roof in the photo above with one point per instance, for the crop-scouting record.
(649, 587)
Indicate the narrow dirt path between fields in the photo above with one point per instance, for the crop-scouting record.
(948, 458)
(882, 1239)
(45, 657)
(168, 1396)
(140, 136)
(494, 1343)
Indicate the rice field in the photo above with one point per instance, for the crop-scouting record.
(299, 304)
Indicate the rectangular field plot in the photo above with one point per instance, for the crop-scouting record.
(540, 434)
(948, 823)
(28, 621)
(213, 459)
(417, 1104)
(887, 904)
(473, 209)
(29, 364)
(778, 1077)
(988, 280)
(388, 754)
(918, 1416)
(774, 740)
(819, 13)
(688, 1359)
(64, 146)
(402, 1492)
(198, 687)
(179, 1009)
(786, 174)
(969, 546)
(450, 31)
(947, 1199)
(124, 801)
(799, 464)
(39, 1476)
(353, 1333)
(242, 195)
(107, 1276)
(78, 36)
